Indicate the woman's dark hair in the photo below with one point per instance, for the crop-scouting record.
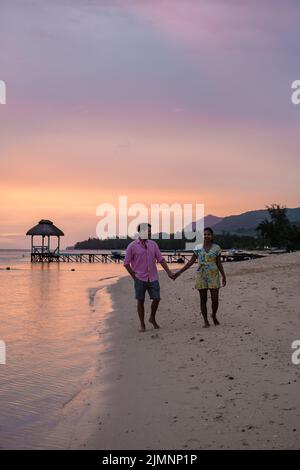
(208, 229)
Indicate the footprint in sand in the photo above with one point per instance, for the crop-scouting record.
(193, 443)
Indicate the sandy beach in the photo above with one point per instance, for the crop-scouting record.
(184, 387)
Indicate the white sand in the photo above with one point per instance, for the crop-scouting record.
(185, 387)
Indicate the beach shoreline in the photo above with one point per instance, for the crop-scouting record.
(184, 387)
(53, 326)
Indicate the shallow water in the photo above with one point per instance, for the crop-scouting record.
(50, 320)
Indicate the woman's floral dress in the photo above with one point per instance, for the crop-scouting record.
(207, 274)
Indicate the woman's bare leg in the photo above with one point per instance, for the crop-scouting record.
(203, 306)
(214, 304)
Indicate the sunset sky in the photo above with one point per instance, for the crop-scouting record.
(160, 100)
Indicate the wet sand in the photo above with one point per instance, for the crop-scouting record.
(231, 386)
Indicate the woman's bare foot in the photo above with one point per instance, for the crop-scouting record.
(153, 321)
(215, 320)
(143, 328)
(206, 325)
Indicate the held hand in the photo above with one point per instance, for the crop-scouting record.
(177, 275)
(171, 275)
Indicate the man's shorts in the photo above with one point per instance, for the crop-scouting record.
(141, 287)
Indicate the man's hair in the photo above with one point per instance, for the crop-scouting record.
(141, 225)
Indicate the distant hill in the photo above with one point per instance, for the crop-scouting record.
(209, 221)
(248, 221)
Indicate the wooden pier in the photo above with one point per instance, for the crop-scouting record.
(46, 256)
(183, 257)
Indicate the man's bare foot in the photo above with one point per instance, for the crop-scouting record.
(153, 321)
(142, 329)
(206, 325)
(215, 320)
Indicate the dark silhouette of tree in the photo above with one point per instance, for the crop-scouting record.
(278, 231)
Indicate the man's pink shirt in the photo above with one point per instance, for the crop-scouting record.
(142, 259)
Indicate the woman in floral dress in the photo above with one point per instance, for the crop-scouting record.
(207, 274)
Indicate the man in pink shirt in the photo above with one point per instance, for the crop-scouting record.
(140, 261)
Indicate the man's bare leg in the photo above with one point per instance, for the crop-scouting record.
(154, 307)
(203, 306)
(141, 312)
(214, 304)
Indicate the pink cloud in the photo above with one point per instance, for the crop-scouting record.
(214, 22)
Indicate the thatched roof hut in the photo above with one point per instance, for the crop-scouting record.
(45, 228)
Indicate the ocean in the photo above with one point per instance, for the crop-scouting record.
(51, 320)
